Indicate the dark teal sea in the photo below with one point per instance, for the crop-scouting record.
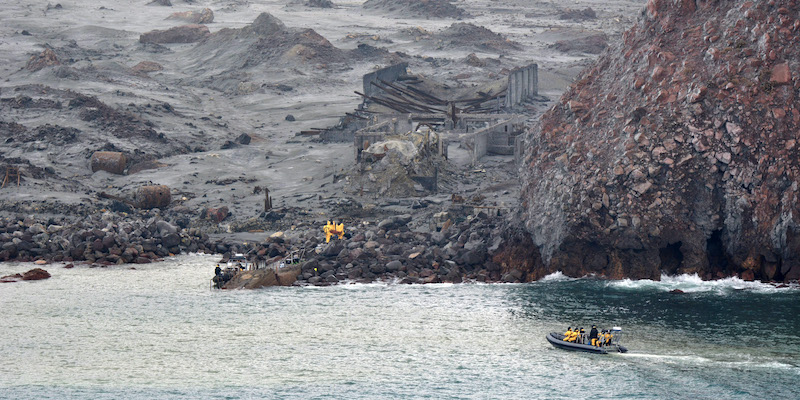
(160, 332)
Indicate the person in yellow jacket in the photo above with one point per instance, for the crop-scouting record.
(568, 334)
(607, 337)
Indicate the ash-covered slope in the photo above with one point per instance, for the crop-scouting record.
(227, 55)
(676, 152)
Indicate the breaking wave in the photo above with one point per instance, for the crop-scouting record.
(694, 284)
(556, 277)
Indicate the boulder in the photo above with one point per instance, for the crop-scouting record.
(264, 277)
(393, 266)
(394, 222)
(243, 139)
(217, 215)
(781, 74)
(164, 228)
(204, 16)
(35, 275)
(171, 240)
(46, 58)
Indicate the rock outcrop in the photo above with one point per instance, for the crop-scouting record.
(263, 278)
(204, 16)
(179, 34)
(46, 58)
(35, 274)
(676, 152)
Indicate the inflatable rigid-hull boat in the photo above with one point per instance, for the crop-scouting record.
(557, 340)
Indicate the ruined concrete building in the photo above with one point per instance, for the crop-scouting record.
(476, 119)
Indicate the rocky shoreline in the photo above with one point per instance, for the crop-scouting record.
(480, 248)
(386, 250)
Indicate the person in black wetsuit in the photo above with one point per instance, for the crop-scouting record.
(593, 335)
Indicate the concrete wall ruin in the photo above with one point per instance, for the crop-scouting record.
(388, 74)
(523, 83)
(480, 134)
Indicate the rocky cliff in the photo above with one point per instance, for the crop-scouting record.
(676, 152)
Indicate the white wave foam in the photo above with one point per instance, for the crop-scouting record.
(666, 358)
(760, 364)
(556, 277)
(694, 284)
(694, 359)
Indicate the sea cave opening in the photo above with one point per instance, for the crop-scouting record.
(671, 258)
(715, 251)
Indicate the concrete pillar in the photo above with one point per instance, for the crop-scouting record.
(525, 83)
(529, 69)
(535, 79)
(510, 92)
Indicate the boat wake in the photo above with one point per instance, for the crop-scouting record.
(692, 359)
(694, 284)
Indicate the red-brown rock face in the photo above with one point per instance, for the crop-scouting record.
(677, 151)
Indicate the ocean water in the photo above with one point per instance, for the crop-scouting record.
(160, 332)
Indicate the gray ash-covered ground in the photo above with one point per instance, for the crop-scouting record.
(417, 8)
(211, 119)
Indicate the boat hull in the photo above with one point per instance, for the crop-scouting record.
(556, 340)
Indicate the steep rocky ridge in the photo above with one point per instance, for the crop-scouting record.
(676, 152)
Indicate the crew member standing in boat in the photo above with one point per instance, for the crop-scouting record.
(593, 335)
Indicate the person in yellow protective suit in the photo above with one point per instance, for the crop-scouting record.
(568, 334)
(582, 337)
(331, 229)
(607, 337)
(575, 335)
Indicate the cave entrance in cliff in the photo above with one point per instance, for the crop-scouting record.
(715, 250)
(671, 257)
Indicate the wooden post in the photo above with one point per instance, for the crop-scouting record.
(11, 172)
(267, 201)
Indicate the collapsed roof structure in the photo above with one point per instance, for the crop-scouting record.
(409, 126)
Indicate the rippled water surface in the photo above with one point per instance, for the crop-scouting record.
(158, 331)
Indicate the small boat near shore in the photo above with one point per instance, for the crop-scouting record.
(240, 272)
(557, 340)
